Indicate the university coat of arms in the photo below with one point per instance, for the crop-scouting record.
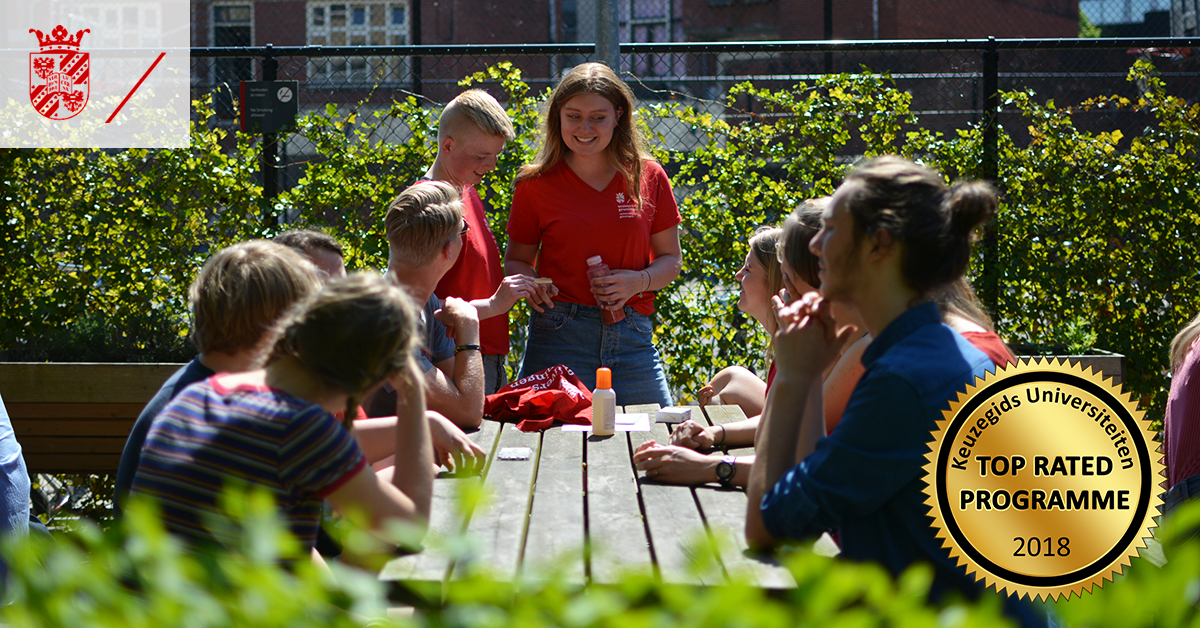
(58, 74)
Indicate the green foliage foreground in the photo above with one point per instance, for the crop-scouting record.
(1099, 237)
(136, 575)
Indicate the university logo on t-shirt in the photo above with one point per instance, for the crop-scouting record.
(626, 208)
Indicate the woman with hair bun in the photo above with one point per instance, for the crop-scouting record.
(892, 235)
(594, 190)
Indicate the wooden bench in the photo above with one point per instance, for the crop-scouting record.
(75, 417)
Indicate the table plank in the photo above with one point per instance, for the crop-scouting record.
(723, 414)
(432, 564)
(677, 533)
(498, 529)
(446, 521)
(616, 529)
(485, 436)
(556, 522)
(725, 514)
(718, 415)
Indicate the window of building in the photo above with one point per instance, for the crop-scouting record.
(652, 21)
(129, 25)
(232, 27)
(359, 24)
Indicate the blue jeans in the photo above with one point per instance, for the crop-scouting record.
(1184, 490)
(573, 334)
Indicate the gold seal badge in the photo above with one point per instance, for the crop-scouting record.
(1041, 479)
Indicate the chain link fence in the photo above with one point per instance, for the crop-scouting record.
(949, 81)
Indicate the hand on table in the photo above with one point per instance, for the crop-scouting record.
(675, 465)
(692, 435)
(452, 448)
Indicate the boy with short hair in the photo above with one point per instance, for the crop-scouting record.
(322, 249)
(471, 134)
(425, 231)
(235, 300)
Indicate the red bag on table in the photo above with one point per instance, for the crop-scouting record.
(537, 401)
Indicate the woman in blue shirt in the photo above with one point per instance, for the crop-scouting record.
(892, 234)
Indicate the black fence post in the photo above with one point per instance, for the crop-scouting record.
(991, 172)
(269, 161)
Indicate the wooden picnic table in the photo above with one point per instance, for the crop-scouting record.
(577, 504)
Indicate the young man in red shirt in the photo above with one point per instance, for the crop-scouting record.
(471, 134)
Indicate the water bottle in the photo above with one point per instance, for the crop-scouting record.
(597, 268)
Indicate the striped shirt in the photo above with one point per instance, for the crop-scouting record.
(211, 436)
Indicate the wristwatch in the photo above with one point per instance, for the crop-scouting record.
(725, 471)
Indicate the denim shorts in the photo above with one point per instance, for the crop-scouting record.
(573, 334)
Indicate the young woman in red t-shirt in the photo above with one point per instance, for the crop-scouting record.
(593, 189)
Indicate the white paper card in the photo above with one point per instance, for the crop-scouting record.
(631, 422)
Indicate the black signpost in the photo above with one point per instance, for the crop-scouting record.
(267, 107)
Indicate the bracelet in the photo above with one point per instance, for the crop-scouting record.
(722, 443)
(460, 348)
(647, 289)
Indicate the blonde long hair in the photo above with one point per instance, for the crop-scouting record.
(764, 244)
(625, 152)
(1183, 342)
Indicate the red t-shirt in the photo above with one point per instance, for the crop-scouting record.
(478, 273)
(992, 346)
(572, 222)
(1181, 428)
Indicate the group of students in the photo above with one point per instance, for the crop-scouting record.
(874, 330)
(321, 386)
(352, 390)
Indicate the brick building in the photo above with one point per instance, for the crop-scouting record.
(444, 22)
(739, 20)
(395, 22)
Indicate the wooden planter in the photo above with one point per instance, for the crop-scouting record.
(75, 417)
(1106, 362)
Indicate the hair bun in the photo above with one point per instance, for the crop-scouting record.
(971, 204)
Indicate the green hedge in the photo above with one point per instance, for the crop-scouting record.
(1098, 234)
(135, 575)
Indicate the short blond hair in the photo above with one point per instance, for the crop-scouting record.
(422, 220)
(241, 292)
(479, 107)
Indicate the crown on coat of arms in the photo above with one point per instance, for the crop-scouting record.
(59, 39)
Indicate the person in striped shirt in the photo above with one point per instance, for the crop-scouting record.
(273, 429)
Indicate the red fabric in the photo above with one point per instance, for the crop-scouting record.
(537, 401)
(770, 376)
(572, 222)
(340, 415)
(991, 345)
(478, 273)
(1181, 428)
